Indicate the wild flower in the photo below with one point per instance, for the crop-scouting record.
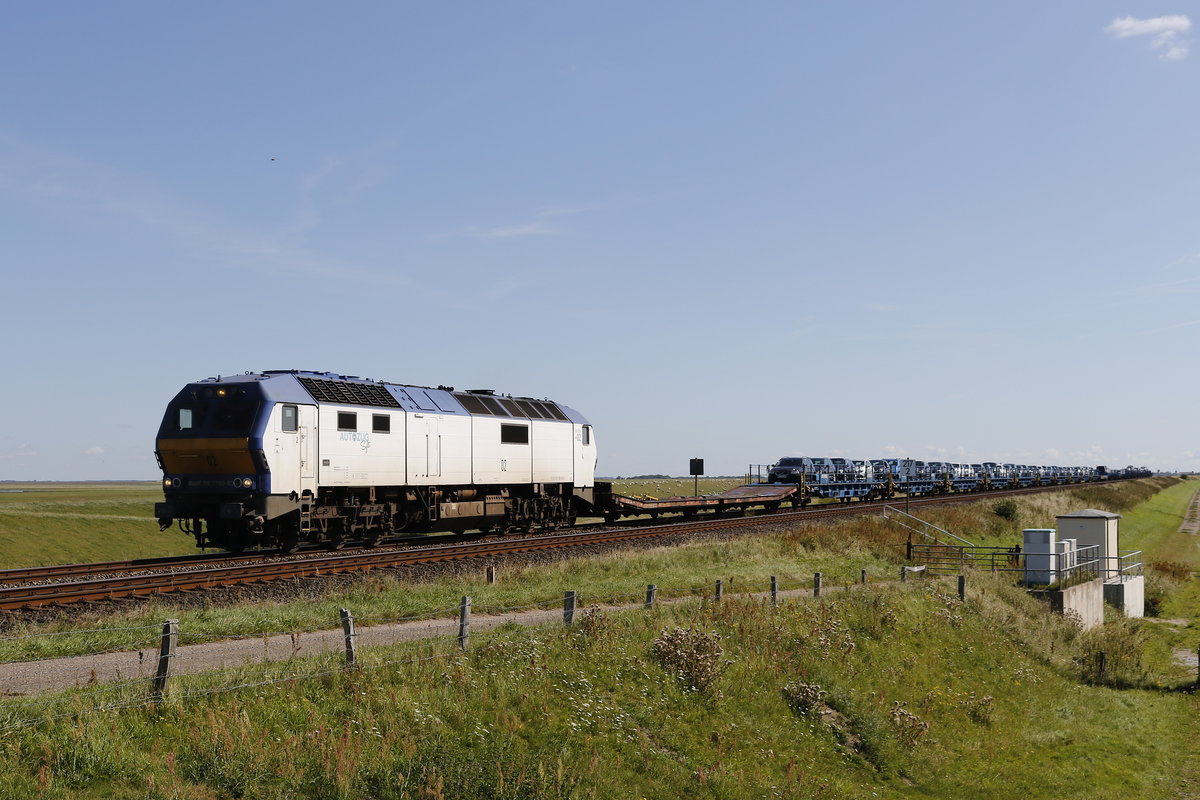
(693, 656)
(804, 698)
(909, 727)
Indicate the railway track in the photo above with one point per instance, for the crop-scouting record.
(63, 585)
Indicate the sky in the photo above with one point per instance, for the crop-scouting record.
(943, 230)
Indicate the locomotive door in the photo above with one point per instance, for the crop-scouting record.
(424, 447)
(585, 456)
(289, 443)
(308, 455)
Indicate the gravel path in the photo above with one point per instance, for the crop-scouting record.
(1191, 521)
(35, 677)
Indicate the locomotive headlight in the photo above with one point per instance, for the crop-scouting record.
(176, 483)
(248, 483)
(166, 483)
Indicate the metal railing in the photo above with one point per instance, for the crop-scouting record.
(1126, 564)
(921, 527)
(1063, 568)
(946, 559)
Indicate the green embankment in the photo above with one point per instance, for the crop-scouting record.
(889, 692)
(50, 523)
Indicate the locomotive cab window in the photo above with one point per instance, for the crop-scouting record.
(185, 419)
(347, 421)
(587, 434)
(514, 434)
(288, 419)
(381, 423)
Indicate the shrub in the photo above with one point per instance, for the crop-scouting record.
(803, 698)
(1178, 571)
(592, 627)
(909, 727)
(694, 657)
(1007, 509)
(1122, 644)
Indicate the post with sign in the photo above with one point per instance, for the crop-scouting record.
(697, 469)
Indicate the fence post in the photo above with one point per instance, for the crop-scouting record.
(464, 623)
(569, 607)
(816, 584)
(720, 589)
(962, 587)
(651, 591)
(491, 573)
(349, 635)
(903, 574)
(862, 576)
(1103, 658)
(166, 652)
(774, 591)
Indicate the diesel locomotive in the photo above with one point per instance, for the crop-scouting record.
(277, 458)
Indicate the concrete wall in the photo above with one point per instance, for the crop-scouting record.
(1127, 593)
(1086, 599)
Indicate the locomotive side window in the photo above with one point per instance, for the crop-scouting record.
(587, 434)
(347, 421)
(185, 419)
(514, 434)
(381, 423)
(289, 419)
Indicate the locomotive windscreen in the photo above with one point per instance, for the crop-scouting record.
(212, 412)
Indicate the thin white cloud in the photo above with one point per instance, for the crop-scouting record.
(1123, 27)
(540, 225)
(1173, 327)
(94, 451)
(76, 187)
(1166, 32)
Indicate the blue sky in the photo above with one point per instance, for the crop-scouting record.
(733, 231)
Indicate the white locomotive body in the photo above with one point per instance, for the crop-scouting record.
(280, 458)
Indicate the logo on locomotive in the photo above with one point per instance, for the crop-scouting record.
(363, 439)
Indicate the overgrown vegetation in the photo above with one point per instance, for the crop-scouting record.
(1008, 509)
(888, 691)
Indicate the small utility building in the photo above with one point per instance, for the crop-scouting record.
(1087, 541)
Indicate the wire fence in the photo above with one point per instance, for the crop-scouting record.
(152, 663)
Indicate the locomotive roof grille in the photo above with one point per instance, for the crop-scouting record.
(492, 406)
(511, 407)
(516, 407)
(324, 390)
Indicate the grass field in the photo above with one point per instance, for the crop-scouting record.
(892, 692)
(62, 523)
